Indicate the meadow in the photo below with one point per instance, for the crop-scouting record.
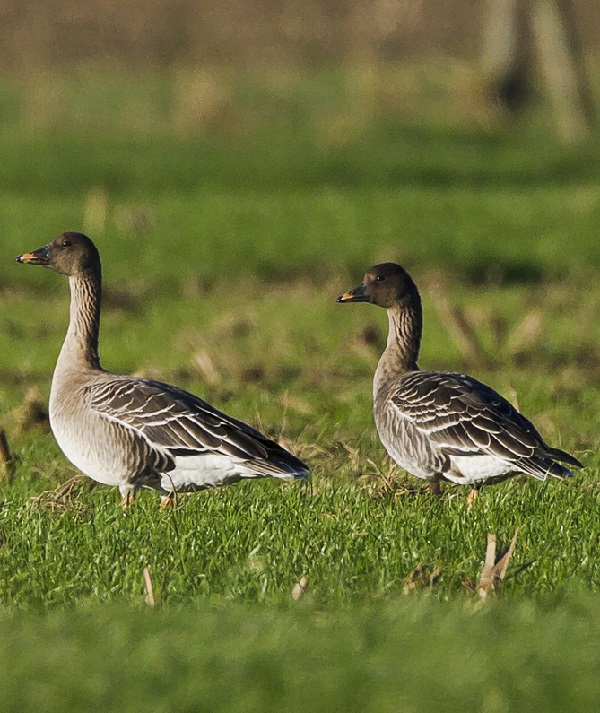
(226, 234)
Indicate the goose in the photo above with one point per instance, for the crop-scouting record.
(131, 432)
(444, 426)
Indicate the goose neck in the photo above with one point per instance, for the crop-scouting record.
(403, 343)
(80, 348)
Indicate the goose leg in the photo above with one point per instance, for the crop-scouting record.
(167, 501)
(127, 495)
(434, 486)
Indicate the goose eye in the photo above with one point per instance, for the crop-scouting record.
(380, 278)
(66, 243)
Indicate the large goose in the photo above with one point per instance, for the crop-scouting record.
(440, 425)
(131, 432)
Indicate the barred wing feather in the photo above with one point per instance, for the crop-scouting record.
(174, 420)
(460, 416)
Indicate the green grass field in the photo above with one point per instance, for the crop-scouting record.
(223, 253)
(414, 655)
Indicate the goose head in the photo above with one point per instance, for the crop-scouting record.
(72, 254)
(386, 285)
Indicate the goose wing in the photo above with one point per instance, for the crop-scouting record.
(460, 416)
(173, 420)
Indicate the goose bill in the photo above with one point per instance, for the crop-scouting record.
(37, 257)
(358, 294)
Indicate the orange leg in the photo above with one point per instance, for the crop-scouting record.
(167, 501)
(128, 499)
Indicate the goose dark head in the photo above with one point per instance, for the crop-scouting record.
(384, 285)
(69, 254)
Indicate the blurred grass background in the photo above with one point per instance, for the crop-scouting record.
(364, 659)
(239, 166)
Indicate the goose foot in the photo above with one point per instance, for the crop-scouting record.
(127, 494)
(167, 501)
(128, 500)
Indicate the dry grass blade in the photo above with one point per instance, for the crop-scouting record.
(148, 587)
(526, 333)
(512, 397)
(95, 211)
(422, 576)
(383, 483)
(6, 459)
(460, 330)
(296, 403)
(206, 368)
(493, 571)
(486, 580)
(32, 412)
(66, 496)
(502, 564)
(299, 588)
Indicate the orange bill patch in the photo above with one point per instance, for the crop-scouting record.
(27, 257)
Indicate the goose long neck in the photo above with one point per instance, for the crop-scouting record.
(403, 342)
(80, 348)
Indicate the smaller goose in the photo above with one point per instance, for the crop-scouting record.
(130, 432)
(440, 425)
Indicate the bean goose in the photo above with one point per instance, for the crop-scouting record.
(441, 425)
(132, 432)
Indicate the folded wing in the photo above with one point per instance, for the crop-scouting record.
(176, 422)
(460, 416)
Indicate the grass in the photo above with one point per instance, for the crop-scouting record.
(223, 254)
(255, 543)
(234, 658)
(477, 233)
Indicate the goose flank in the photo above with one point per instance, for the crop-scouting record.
(443, 425)
(132, 432)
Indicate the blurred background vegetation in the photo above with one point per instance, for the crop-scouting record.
(322, 72)
(59, 33)
(113, 105)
